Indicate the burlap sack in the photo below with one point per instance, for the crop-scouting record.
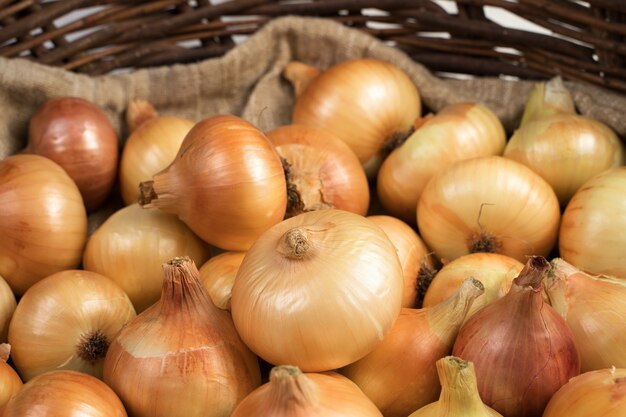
(247, 82)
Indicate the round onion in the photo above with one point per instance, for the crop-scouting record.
(7, 307)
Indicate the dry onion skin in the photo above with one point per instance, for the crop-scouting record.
(600, 393)
(63, 394)
(495, 271)
(458, 131)
(77, 135)
(321, 171)
(291, 393)
(488, 204)
(150, 148)
(592, 235)
(565, 148)
(131, 245)
(218, 276)
(226, 183)
(417, 264)
(365, 102)
(43, 221)
(318, 290)
(7, 307)
(10, 381)
(67, 321)
(182, 357)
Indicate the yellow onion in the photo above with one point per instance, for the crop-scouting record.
(495, 271)
(10, 381)
(131, 245)
(227, 183)
(594, 308)
(77, 135)
(291, 393)
(400, 374)
(182, 356)
(522, 349)
(318, 290)
(459, 131)
(7, 307)
(417, 265)
(150, 148)
(592, 229)
(321, 171)
(596, 393)
(365, 102)
(218, 276)
(459, 392)
(138, 112)
(65, 393)
(43, 223)
(67, 321)
(488, 204)
(565, 148)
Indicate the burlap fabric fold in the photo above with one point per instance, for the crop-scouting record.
(247, 81)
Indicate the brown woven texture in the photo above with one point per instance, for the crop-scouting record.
(247, 81)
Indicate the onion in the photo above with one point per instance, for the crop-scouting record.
(43, 222)
(182, 356)
(318, 290)
(10, 381)
(7, 307)
(77, 135)
(218, 276)
(522, 349)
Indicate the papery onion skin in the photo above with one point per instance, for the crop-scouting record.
(65, 393)
(218, 277)
(43, 221)
(364, 101)
(77, 135)
(591, 234)
(325, 286)
(182, 357)
(131, 245)
(594, 308)
(290, 393)
(10, 381)
(323, 170)
(227, 183)
(459, 131)
(600, 393)
(522, 349)
(67, 321)
(7, 307)
(488, 204)
(148, 150)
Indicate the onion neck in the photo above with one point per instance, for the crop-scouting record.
(161, 192)
(548, 99)
(138, 112)
(300, 75)
(459, 390)
(183, 291)
(294, 244)
(5, 351)
(290, 391)
(533, 273)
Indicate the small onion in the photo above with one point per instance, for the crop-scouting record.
(218, 276)
(318, 290)
(132, 244)
(62, 394)
(77, 135)
(488, 204)
(43, 222)
(10, 381)
(67, 321)
(291, 393)
(7, 307)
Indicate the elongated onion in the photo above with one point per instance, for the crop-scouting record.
(318, 290)
(322, 171)
(67, 321)
(65, 393)
(565, 148)
(132, 244)
(290, 393)
(7, 307)
(182, 357)
(488, 204)
(10, 381)
(218, 276)
(227, 183)
(597, 393)
(417, 264)
(459, 131)
(594, 308)
(43, 222)
(77, 135)
(365, 102)
(591, 235)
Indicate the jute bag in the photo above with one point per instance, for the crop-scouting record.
(247, 82)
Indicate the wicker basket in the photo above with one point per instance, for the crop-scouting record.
(583, 41)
